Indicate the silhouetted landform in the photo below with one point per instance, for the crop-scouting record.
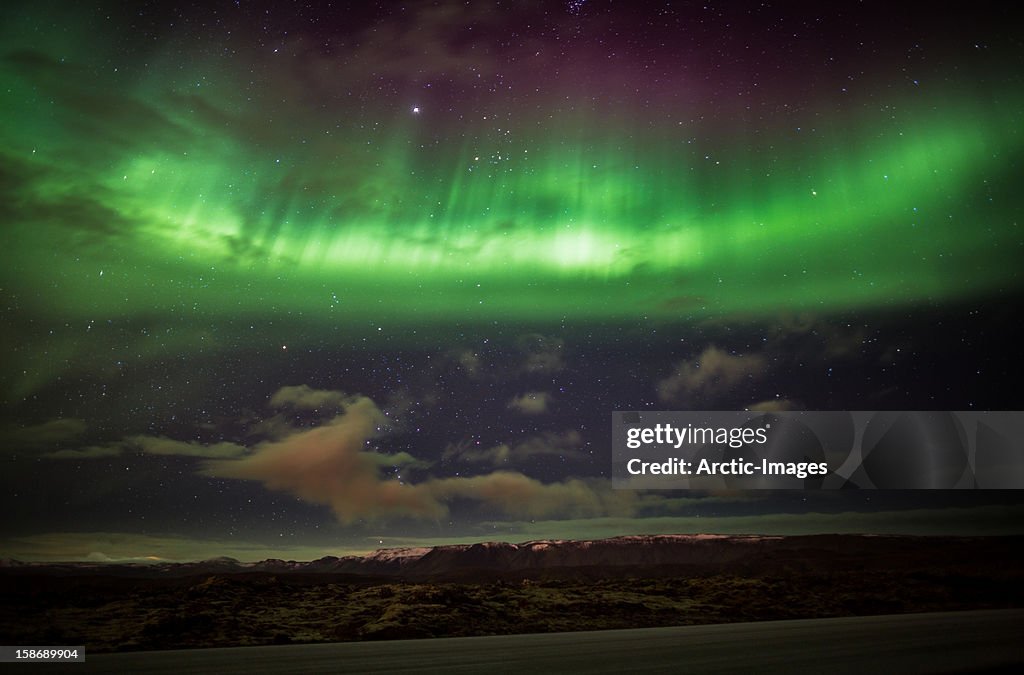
(499, 588)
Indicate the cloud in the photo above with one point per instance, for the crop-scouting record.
(542, 354)
(91, 452)
(521, 496)
(399, 460)
(304, 397)
(468, 360)
(275, 428)
(408, 398)
(160, 445)
(447, 40)
(774, 405)
(463, 452)
(713, 373)
(533, 353)
(329, 464)
(807, 337)
(152, 445)
(531, 403)
(53, 431)
(549, 443)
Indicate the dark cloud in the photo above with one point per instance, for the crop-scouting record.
(542, 354)
(273, 428)
(160, 445)
(445, 41)
(468, 361)
(152, 445)
(304, 397)
(86, 104)
(90, 452)
(44, 434)
(814, 338)
(565, 445)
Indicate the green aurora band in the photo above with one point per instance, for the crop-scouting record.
(165, 201)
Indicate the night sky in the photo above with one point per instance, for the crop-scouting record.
(289, 280)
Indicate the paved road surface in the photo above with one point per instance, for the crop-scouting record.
(948, 642)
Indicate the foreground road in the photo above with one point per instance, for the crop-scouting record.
(984, 641)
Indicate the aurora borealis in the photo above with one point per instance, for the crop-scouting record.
(324, 276)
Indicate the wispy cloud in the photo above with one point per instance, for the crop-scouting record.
(710, 375)
(564, 444)
(304, 397)
(47, 433)
(531, 403)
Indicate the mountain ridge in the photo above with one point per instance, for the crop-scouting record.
(545, 558)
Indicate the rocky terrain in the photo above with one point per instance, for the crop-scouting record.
(499, 588)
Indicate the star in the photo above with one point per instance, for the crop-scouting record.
(415, 110)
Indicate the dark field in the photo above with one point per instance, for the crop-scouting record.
(117, 613)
